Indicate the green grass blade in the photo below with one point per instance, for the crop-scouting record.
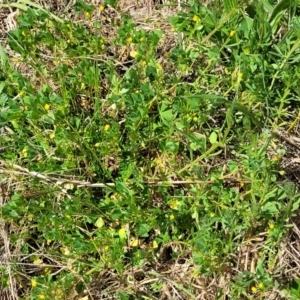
(282, 5)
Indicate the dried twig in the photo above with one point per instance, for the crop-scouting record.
(18, 170)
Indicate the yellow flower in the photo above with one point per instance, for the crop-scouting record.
(172, 217)
(68, 216)
(65, 250)
(232, 33)
(240, 75)
(195, 119)
(41, 296)
(133, 54)
(16, 60)
(142, 39)
(33, 283)
(260, 285)
(47, 106)
(106, 127)
(48, 241)
(254, 289)
(24, 153)
(37, 261)
(143, 63)
(101, 8)
(174, 204)
(122, 233)
(135, 243)
(196, 18)
(87, 14)
(271, 226)
(60, 293)
(154, 245)
(21, 93)
(129, 40)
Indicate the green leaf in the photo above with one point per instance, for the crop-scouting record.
(213, 137)
(233, 166)
(158, 32)
(167, 115)
(282, 5)
(295, 287)
(2, 86)
(230, 5)
(143, 230)
(99, 223)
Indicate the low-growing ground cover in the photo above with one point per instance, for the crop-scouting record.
(149, 150)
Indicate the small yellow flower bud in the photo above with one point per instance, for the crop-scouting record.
(106, 127)
(196, 18)
(24, 153)
(47, 106)
(261, 286)
(33, 283)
